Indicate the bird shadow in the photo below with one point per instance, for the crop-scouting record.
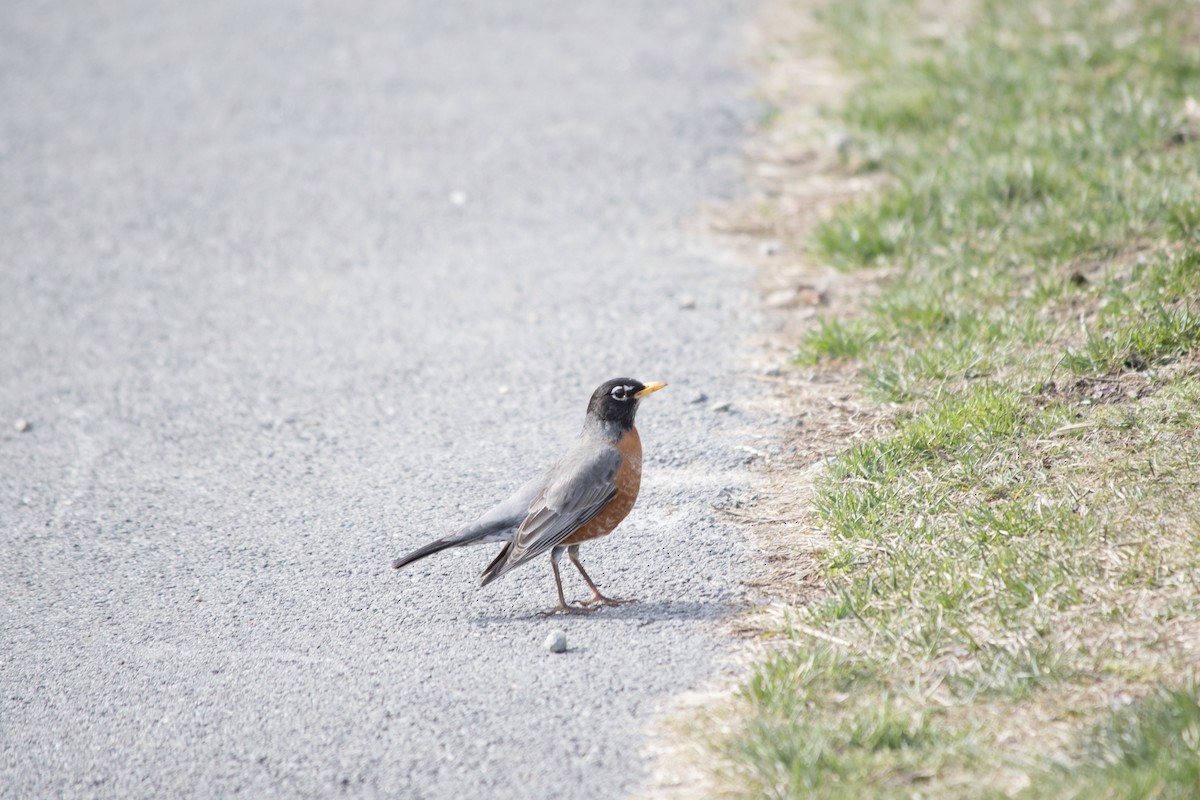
(644, 612)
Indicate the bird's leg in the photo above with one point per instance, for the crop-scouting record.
(598, 599)
(562, 607)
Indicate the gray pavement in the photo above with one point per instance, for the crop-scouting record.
(287, 289)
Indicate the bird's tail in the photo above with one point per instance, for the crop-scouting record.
(427, 550)
(482, 531)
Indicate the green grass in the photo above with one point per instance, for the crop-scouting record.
(1152, 337)
(800, 751)
(1024, 545)
(1149, 751)
(1051, 136)
(834, 339)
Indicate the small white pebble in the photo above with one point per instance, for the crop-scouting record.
(21, 425)
(556, 642)
(725, 406)
(458, 198)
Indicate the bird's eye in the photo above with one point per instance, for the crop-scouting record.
(620, 392)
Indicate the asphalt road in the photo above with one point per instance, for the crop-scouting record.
(287, 289)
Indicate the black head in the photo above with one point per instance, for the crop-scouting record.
(616, 401)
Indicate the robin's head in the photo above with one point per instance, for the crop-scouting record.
(616, 401)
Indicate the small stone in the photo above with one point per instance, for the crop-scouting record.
(458, 198)
(22, 425)
(781, 298)
(687, 302)
(556, 642)
(723, 406)
(772, 372)
(770, 248)
(699, 397)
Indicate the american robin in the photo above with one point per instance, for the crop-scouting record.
(584, 496)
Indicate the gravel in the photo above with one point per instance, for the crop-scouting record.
(266, 347)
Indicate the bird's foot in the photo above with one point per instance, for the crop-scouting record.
(600, 600)
(563, 608)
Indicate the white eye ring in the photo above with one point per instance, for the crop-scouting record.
(621, 392)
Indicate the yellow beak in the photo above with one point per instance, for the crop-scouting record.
(651, 388)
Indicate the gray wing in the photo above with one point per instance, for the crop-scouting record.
(507, 514)
(580, 489)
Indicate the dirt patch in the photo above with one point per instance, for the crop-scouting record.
(796, 178)
(1118, 387)
(1100, 391)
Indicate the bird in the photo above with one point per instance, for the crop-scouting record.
(585, 495)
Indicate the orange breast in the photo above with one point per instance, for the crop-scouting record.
(628, 480)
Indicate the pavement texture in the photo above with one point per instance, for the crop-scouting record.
(289, 289)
